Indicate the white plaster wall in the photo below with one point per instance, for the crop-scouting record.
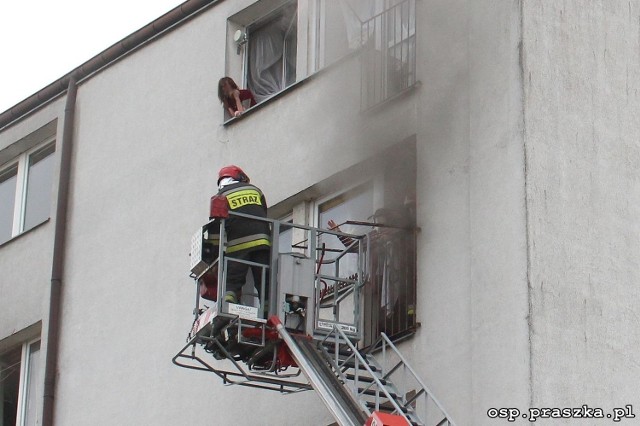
(25, 274)
(581, 70)
(144, 168)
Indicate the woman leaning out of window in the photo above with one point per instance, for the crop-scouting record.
(232, 97)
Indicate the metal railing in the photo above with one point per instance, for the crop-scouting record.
(387, 382)
(389, 293)
(388, 64)
(333, 301)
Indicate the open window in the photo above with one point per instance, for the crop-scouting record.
(271, 52)
(263, 54)
(385, 210)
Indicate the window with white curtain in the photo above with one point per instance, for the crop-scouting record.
(25, 191)
(20, 385)
(271, 52)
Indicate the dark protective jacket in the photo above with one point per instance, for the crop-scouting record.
(243, 233)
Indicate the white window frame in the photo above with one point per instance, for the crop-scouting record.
(19, 207)
(376, 188)
(254, 16)
(25, 376)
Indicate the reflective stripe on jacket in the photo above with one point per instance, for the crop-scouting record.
(243, 233)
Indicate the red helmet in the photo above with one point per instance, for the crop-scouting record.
(234, 172)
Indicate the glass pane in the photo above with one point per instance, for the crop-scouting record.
(285, 240)
(9, 386)
(39, 183)
(291, 50)
(8, 181)
(31, 410)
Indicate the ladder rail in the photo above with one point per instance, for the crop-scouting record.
(328, 395)
(381, 387)
(427, 392)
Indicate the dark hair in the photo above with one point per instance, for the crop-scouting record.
(221, 83)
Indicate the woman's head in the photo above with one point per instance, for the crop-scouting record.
(226, 86)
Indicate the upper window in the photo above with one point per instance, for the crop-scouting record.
(262, 43)
(25, 191)
(19, 385)
(270, 56)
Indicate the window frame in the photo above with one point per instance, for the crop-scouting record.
(261, 22)
(22, 163)
(26, 376)
(25, 379)
(314, 211)
(405, 326)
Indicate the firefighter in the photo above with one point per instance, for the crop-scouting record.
(246, 239)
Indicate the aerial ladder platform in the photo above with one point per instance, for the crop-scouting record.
(304, 331)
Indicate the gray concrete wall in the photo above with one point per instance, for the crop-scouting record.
(581, 69)
(471, 191)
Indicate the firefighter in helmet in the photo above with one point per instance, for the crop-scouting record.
(246, 239)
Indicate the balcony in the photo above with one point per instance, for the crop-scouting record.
(388, 65)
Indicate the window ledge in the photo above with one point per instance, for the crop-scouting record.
(353, 54)
(269, 100)
(12, 239)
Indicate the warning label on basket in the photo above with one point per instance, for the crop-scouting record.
(343, 327)
(247, 312)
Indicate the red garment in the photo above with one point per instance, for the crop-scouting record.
(244, 95)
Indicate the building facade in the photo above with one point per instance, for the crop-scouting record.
(510, 123)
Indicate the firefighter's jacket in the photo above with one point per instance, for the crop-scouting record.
(242, 233)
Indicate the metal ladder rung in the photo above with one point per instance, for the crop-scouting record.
(365, 378)
(373, 392)
(352, 364)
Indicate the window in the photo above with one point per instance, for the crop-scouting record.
(20, 385)
(389, 292)
(25, 191)
(350, 206)
(271, 52)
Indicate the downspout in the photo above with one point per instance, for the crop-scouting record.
(57, 268)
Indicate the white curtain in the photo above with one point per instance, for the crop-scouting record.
(355, 12)
(271, 56)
